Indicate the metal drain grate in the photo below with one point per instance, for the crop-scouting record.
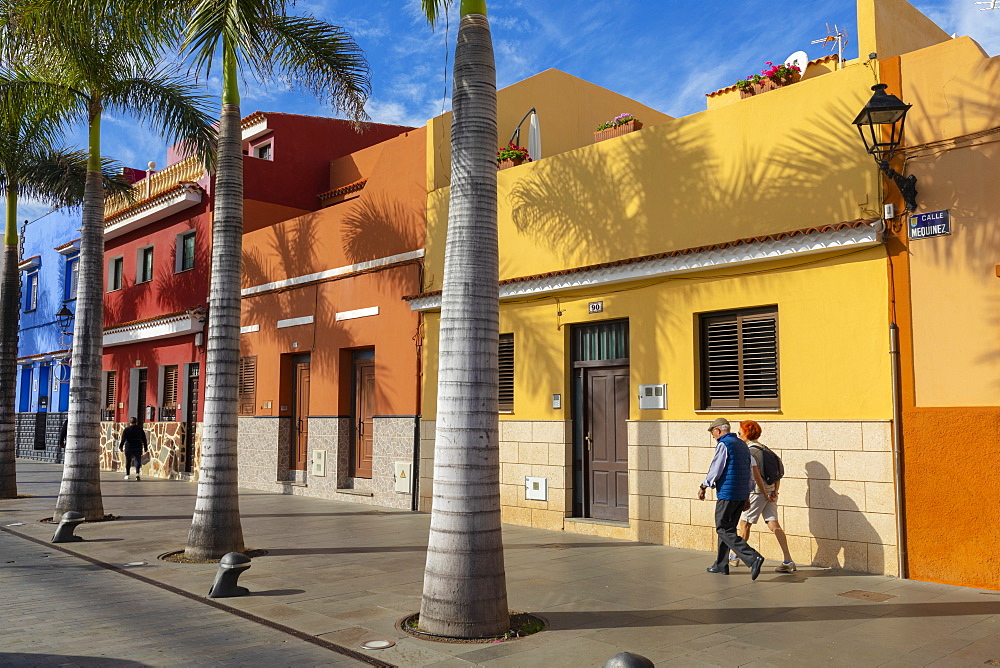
(863, 595)
(554, 546)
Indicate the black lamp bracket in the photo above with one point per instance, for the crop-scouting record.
(907, 184)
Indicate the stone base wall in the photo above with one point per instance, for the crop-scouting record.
(265, 454)
(837, 499)
(166, 446)
(38, 436)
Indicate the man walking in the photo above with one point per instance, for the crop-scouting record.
(133, 443)
(729, 475)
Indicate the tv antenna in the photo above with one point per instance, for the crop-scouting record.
(992, 4)
(837, 39)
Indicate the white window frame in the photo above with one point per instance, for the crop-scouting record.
(269, 144)
(72, 267)
(179, 253)
(31, 290)
(140, 265)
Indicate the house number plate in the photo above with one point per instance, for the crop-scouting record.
(596, 307)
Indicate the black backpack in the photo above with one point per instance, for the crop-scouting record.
(773, 470)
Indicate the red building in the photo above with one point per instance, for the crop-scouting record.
(157, 260)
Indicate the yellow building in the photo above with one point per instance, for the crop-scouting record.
(728, 263)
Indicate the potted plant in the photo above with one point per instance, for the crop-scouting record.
(771, 77)
(511, 156)
(617, 126)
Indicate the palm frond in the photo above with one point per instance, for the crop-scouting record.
(322, 59)
(58, 177)
(433, 8)
(215, 24)
(170, 104)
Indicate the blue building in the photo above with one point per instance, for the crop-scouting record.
(49, 267)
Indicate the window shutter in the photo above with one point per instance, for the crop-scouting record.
(110, 390)
(248, 385)
(170, 386)
(740, 359)
(506, 360)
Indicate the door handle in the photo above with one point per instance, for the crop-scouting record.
(589, 441)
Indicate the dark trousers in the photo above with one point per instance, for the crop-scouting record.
(727, 516)
(133, 457)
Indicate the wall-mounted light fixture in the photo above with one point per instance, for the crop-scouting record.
(64, 318)
(886, 114)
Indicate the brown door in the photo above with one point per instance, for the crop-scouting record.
(606, 441)
(300, 415)
(362, 443)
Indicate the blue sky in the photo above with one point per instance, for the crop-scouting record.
(664, 53)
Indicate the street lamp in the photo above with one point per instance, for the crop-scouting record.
(64, 318)
(886, 114)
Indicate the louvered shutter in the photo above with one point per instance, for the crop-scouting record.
(110, 390)
(248, 385)
(506, 360)
(170, 386)
(740, 359)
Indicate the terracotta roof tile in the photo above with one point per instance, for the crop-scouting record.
(344, 190)
(675, 253)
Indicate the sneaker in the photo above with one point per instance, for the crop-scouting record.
(786, 567)
(127, 476)
(734, 561)
(136, 476)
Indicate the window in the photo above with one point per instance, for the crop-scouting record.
(144, 271)
(739, 359)
(72, 276)
(185, 251)
(110, 388)
(31, 291)
(248, 385)
(115, 272)
(168, 407)
(506, 373)
(262, 151)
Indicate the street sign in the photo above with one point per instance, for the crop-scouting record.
(933, 224)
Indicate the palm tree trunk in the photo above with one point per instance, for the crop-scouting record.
(81, 481)
(465, 591)
(10, 311)
(215, 526)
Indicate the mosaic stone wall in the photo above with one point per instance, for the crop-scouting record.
(166, 445)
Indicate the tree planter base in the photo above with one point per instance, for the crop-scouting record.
(522, 625)
(618, 131)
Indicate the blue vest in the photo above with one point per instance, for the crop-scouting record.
(734, 483)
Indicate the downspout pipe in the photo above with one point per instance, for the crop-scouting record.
(897, 450)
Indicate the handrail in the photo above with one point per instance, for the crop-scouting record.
(187, 170)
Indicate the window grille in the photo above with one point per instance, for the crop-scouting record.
(168, 411)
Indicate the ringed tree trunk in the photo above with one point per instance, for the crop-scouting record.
(81, 480)
(215, 526)
(10, 311)
(465, 591)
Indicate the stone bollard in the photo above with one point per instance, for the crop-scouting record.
(64, 532)
(230, 568)
(628, 660)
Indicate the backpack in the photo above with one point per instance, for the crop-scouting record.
(772, 470)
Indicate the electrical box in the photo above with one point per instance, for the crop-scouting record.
(536, 489)
(319, 463)
(653, 396)
(404, 476)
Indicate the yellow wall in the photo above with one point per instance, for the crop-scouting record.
(569, 111)
(784, 160)
(828, 371)
(892, 27)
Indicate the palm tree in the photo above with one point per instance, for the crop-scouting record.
(99, 58)
(465, 590)
(259, 38)
(30, 164)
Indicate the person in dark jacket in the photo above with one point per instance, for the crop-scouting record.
(729, 474)
(133, 443)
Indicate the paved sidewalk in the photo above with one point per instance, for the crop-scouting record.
(347, 573)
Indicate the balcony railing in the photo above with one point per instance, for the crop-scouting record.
(189, 169)
(168, 413)
(108, 415)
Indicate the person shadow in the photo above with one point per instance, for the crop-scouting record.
(844, 537)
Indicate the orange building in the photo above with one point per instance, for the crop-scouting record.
(329, 382)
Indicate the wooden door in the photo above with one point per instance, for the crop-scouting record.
(191, 416)
(140, 402)
(606, 441)
(362, 442)
(300, 416)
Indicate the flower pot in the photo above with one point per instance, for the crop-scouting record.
(624, 128)
(764, 85)
(504, 164)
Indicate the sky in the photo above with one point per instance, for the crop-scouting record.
(664, 53)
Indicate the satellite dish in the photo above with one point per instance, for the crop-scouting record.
(798, 58)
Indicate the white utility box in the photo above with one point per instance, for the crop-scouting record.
(319, 463)
(536, 489)
(653, 396)
(404, 476)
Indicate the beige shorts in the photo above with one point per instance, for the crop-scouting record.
(760, 505)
